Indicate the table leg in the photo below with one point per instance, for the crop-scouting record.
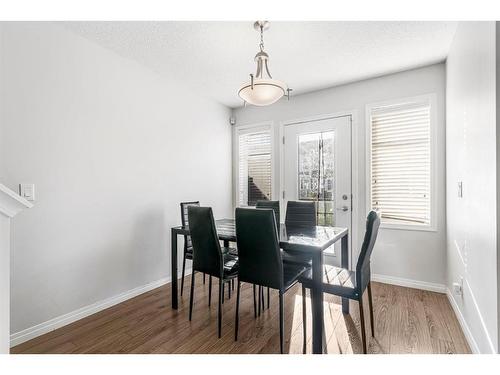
(173, 261)
(317, 303)
(345, 264)
(226, 243)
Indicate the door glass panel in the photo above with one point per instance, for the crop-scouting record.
(316, 173)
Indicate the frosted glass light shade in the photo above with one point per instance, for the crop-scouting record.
(264, 91)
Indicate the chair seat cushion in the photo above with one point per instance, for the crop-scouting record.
(296, 258)
(336, 280)
(291, 273)
(230, 264)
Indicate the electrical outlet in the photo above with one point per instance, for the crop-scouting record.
(458, 287)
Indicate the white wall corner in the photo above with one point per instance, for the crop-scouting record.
(463, 324)
(473, 326)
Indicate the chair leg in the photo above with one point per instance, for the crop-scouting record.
(263, 302)
(191, 295)
(268, 298)
(183, 270)
(229, 290)
(362, 319)
(221, 297)
(370, 305)
(260, 299)
(254, 302)
(237, 318)
(304, 320)
(222, 292)
(282, 324)
(232, 284)
(209, 290)
(203, 278)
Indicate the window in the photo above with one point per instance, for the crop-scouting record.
(254, 166)
(316, 173)
(400, 162)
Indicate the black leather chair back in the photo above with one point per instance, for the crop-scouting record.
(363, 272)
(258, 248)
(207, 255)
(300, 214)
(185, 221)
(275, 205)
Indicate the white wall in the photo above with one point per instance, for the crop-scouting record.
(412, 255)
(4, 283)
(497, 94)
(470, 157)
(112, 149)
(4, 254)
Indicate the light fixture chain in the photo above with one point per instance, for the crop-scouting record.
(261, 37)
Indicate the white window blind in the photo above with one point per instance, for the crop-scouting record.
(254, 167)
(401, 163)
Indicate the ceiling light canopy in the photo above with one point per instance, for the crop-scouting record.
(262, 89)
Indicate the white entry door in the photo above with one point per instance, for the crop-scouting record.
(317, 167)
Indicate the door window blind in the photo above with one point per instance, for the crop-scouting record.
(401, 163)
(254, 169)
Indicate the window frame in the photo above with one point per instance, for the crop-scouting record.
(246, 129)
(431, 100)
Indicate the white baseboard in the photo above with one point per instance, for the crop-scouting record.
(62, 320)
(465, 327)
(415, 284)
(480, 341)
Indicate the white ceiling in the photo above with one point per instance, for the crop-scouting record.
(217, 57)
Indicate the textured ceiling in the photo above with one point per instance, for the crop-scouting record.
(217, 57)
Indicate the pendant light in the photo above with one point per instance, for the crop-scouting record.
(262, 89)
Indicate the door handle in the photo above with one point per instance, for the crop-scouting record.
(343, 208)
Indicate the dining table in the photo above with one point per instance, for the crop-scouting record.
(310, 241)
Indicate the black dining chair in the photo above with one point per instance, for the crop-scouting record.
(260, 260)
(348, 284)
(208, 257)
(188, 247)
(275, 206)
(299, 214)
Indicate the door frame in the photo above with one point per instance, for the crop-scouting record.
(353, 236)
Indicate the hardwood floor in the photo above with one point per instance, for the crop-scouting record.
(406, 321)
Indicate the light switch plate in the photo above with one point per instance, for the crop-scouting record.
(27, 191)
